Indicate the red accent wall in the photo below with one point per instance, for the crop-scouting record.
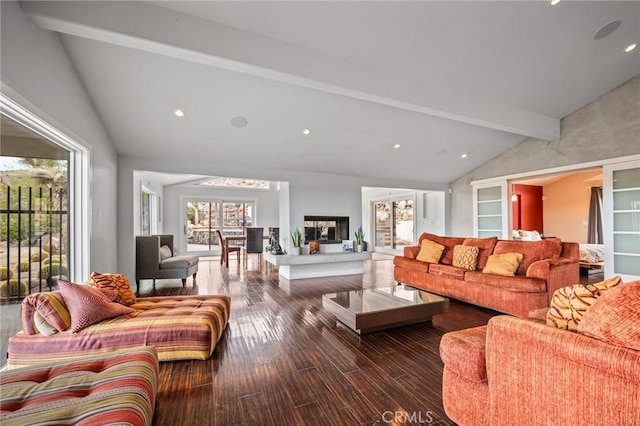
(527, 211)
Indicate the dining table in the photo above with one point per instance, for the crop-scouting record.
(227, 240)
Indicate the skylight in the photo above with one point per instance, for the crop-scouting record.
(227, 182)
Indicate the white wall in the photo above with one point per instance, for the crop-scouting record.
(608, 127)
(266, 203)
(37, 73)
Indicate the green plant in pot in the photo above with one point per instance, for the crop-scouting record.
(296, 238)
(359, 239)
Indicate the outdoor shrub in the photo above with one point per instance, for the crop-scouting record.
(5, 273)
(39, 256)
(24, 266)
(55, 269)
(13, 287)
(54, 259)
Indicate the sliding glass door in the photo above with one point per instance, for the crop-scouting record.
(204, 217)
(394, 224)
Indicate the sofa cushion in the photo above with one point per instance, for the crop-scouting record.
(117, 282)
(179, 262)
(42, 325)
(414, 264)
(448, 242)
(463, 352)
(568, 304)
(505, 264)
(465, 257)
(485, 245)
(447, 271)
(615, 317)
(50, 306)
(430, 251)
(532, 251)
(515, 284)
(88, 305)
(115, 388)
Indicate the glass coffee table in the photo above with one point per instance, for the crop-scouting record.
(375, 309)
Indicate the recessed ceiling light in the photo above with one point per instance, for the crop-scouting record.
(396, 146)
(306, 132)
(554, 2)
(630, 48)
(179, 113)
(463, 156)
(239, 122)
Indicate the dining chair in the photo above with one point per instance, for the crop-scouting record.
(254, 243)
(224, 256)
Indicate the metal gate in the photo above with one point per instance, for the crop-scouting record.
(33, 239)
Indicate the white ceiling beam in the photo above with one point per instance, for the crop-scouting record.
(151, 28)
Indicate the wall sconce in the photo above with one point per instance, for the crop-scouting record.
(514, 197)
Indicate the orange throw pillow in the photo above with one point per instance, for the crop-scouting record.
(117, 282)
(615, 317)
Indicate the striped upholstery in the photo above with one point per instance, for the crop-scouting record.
(115, 388)
(180, 327)
(50, 306)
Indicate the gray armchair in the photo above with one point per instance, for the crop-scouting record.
(152, 262)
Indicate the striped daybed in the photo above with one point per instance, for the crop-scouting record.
(179, 327)
(108, 389)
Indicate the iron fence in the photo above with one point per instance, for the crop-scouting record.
(33, 239)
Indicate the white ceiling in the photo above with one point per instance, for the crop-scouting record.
(439, 78)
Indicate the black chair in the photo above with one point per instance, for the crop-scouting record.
(254, 243)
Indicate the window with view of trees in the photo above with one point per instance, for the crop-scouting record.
(34, 234)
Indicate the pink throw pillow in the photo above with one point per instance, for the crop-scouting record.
(88, 305)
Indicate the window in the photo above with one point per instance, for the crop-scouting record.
(237, 183)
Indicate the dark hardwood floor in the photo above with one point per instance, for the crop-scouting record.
(284, 361)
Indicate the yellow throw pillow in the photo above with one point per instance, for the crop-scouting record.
(503, 264)
(430, 251)
(568, 304)
(465, 257)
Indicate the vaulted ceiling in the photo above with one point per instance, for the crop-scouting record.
(440, 79)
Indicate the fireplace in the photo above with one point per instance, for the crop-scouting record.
(326, 229)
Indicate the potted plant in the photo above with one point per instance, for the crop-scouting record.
(359, 239)
(296, 238)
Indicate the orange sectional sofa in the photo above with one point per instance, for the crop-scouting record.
(546, 266)
(521, 371)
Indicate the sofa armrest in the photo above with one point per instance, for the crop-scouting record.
(147, 255)
(557, 273)
(530, 361)
(411, 251)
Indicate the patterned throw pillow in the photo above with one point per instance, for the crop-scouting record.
(88, 305)
(505, 264)
(568, 304)
(42, 325)
(49, 306)
(465, 257)
(117, 282)
(430, 251)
